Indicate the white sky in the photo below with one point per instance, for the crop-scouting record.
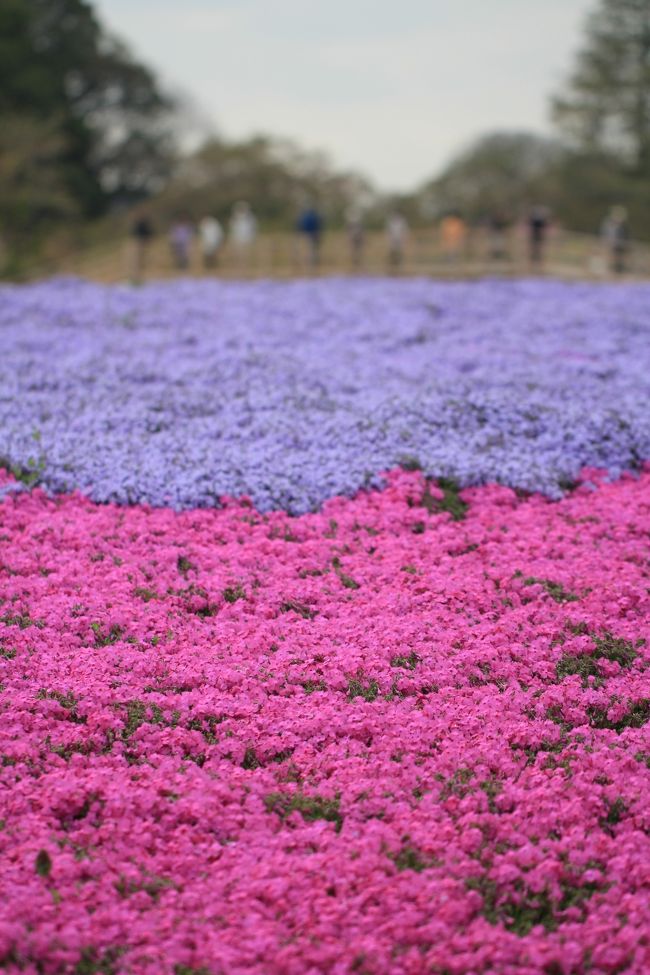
(390, 87)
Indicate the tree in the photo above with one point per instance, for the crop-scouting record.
(501, 172)
(606, 106)
(586, 185)
(274, 175)
(57, 61)
(33, 194)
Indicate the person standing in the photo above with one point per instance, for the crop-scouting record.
(310, 226)
(453, 233)
(141, 234)
(211, 237)
(538, 221)
(180, 239)
(614, 233)
(396, 233)
(242, 233)
(356, 235)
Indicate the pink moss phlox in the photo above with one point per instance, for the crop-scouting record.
(372, 739)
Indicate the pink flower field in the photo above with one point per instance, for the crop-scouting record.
(407, 734)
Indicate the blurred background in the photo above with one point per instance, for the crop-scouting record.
(145, 138)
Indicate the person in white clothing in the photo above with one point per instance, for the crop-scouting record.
(243, 231)
(356, 235)
(396, 232)
(211, 234)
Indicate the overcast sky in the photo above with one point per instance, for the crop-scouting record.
(391, 87)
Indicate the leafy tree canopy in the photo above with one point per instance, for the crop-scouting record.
(606, 104)
(497, 174)
(58, 63)
(274, 175)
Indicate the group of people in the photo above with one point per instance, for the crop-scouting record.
(211, 237)
(455, 236)
(537, 224)
(614, 236)
(209, 233)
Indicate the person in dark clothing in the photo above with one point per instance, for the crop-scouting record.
(538, 220)
(141, 234)
(310, 226)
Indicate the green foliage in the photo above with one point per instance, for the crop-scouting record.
(585, 665)
(615, 813)
(347, 581)
(151, 884)
(67, 701)
(409, 462)
(145, 593)
(250, 760)
(451, 501)
(556, 591)
(310, 808)
(458, 785)
(184, 565)
(357, 688)
(609, 647)
(21, 620)
(408, 858)
(606, 647)
(29, 473)
(136, 715)
(206, 726)
(524, 909)
(409, 662)
(114, 633)
(294, 606)
(94, 963)
(232, 593)
(635, 717)
(491, 787)
(43, 863)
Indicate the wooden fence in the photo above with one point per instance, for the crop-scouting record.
(281, 255)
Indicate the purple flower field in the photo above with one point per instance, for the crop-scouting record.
(179, 393)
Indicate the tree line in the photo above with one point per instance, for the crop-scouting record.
(86, 129)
